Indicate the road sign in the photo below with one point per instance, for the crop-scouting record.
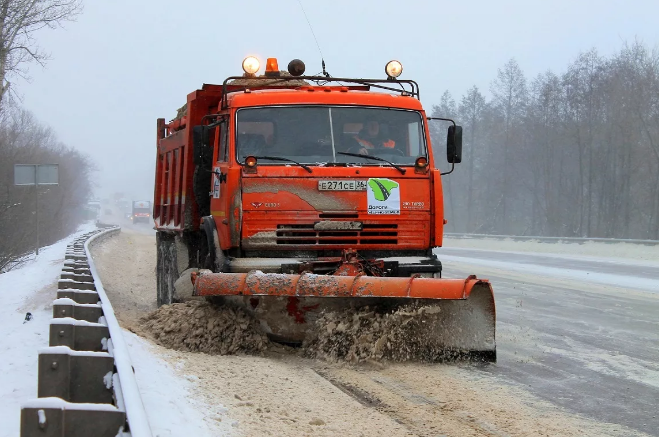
(36, 174)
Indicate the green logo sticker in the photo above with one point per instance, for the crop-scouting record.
(383, 196)
(382, 187)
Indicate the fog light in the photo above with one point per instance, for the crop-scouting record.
(251, 65)
(393, 69)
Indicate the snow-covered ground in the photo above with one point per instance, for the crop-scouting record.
(619, 252)
(31, 288)
(586, 263)
(627, 281)
(167, 396)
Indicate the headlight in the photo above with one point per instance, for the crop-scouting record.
(393, 68)
(251, 65)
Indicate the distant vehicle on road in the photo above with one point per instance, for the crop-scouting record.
(141, 211)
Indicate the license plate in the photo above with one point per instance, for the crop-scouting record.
(342, 185)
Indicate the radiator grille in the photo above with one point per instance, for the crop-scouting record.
(305, 234)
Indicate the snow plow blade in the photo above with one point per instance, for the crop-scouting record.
(458, 315)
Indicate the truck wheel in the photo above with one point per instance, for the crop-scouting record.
(166, 269)
(215, 257)
(164, 285)
(172, 261)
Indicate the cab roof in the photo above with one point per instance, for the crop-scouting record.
(321, 95)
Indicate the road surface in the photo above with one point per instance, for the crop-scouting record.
(570, 332)
(576, 357)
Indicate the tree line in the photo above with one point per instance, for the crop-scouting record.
(24, 140)
(574, 154)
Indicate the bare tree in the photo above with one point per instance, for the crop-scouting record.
(445, 109)
(24, 140)
(471, 111)
(509, 98)
(19, 21)
(571, 154)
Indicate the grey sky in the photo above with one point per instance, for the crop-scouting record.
(125, 63)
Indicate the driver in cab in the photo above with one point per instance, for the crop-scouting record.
(370, 137)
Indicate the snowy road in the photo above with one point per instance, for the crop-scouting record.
(570, 330)
(576, 357)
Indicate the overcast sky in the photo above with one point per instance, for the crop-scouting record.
(125, 63)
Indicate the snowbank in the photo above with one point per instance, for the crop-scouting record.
(31, 288)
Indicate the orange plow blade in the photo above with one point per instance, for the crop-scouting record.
(458, 314)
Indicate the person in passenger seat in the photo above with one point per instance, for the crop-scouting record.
(371, 137)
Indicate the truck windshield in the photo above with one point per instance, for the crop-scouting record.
(314, 134)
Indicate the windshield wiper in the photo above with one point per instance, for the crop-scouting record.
(377, 158)
(277, 158)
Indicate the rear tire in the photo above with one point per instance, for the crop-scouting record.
(163, 284)
(171, 262)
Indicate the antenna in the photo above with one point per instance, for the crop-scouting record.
(322, 58)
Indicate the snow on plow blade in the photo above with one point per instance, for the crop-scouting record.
(458, 314)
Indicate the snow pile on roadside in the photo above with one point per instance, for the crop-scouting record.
(198, 326)
(31, 288)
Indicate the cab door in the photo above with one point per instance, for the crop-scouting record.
(220, 196)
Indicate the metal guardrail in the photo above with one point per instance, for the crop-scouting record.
(86, 383)
(551, 239)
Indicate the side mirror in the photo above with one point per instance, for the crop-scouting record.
(199, 143)
(454, 144)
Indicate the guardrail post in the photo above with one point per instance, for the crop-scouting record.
(78, 335)
(51, 417)
(75, 376)
(69, 308)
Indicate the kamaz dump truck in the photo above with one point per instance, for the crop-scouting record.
(289, 195)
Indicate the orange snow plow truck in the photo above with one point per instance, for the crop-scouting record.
(289, 195)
